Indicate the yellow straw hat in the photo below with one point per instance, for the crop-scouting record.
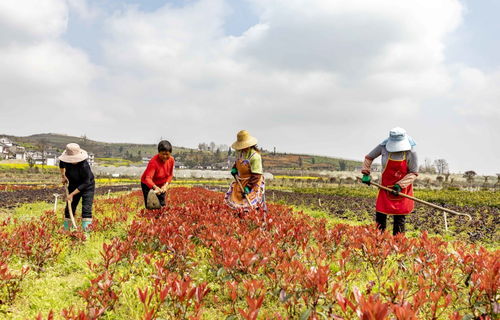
(243, 140)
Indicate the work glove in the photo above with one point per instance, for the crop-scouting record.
(246, 191)
(234, 172)
(396, 189)
(366, 179)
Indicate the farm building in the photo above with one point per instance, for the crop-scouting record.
(6, 142)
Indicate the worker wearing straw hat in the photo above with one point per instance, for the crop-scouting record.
(75, 171)
(247, 170)
(400, 169)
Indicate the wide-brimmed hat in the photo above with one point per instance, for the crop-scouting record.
(398, 140)
(73, 153)
(244, 140)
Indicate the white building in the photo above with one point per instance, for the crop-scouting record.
(51, 160)
(6, 142)
(21, 155)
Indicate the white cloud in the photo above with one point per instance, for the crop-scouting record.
(42, 77)
(30, 20)
(477, 93)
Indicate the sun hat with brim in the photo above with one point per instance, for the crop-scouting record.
(73, 153)
(398, 141)
(244, 140)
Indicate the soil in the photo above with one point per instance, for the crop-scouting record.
(11, 199)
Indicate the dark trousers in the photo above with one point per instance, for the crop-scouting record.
(87, 197)
(145, 191)
(399, 222)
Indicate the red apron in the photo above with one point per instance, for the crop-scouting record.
(388, 203)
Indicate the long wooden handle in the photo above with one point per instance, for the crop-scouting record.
(70, 209)
(421, 201)
(241, 187)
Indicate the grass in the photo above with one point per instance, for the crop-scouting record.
(297, 177)
(331, 220)
(57, 288)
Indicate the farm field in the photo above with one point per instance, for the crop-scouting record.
(197, 260)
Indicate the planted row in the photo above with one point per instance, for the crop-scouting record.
(198, 259)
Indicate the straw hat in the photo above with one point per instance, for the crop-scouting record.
(399, 140)
(73, 154)
(243, 140)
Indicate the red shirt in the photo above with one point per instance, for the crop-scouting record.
(158, 172)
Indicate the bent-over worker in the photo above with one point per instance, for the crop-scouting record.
(159, 173)
(75, 170)
(399, 171)
(248, 170)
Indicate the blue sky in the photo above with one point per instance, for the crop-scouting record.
(475, 42)
(327, 77)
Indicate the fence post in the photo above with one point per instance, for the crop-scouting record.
(56, 195)
(445, 221)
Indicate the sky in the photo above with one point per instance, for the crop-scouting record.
(324, 77)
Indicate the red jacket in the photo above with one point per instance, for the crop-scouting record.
(158, 172)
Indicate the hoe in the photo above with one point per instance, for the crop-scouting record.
(422, 201)
(70, 209)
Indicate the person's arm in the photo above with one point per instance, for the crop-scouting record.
(412, 174)
(367, 163)
(64, 179)
(86, 174)
(170, 176)
(149, 174)
(171, 171)
(253, 180)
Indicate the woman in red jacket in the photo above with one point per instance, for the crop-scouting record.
(159, 172)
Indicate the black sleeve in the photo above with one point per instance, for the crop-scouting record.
(62, 164)
(87, 176)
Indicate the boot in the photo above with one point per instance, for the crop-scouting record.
(86, 222)
(67, 224)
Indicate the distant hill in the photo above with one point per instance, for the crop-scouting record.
(190, 157)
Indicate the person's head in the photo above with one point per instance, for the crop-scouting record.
(164, 150)
(73, 154)
(254, 147)
(244, 141)
(399, 140)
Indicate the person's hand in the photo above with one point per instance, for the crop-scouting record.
(164, 188)
(246, 191)
(69, 197)
(396, 189)
(366, 179)
(157, 189)
(234, 172)
(64, 180)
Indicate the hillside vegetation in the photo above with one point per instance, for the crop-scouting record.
(133, 153)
